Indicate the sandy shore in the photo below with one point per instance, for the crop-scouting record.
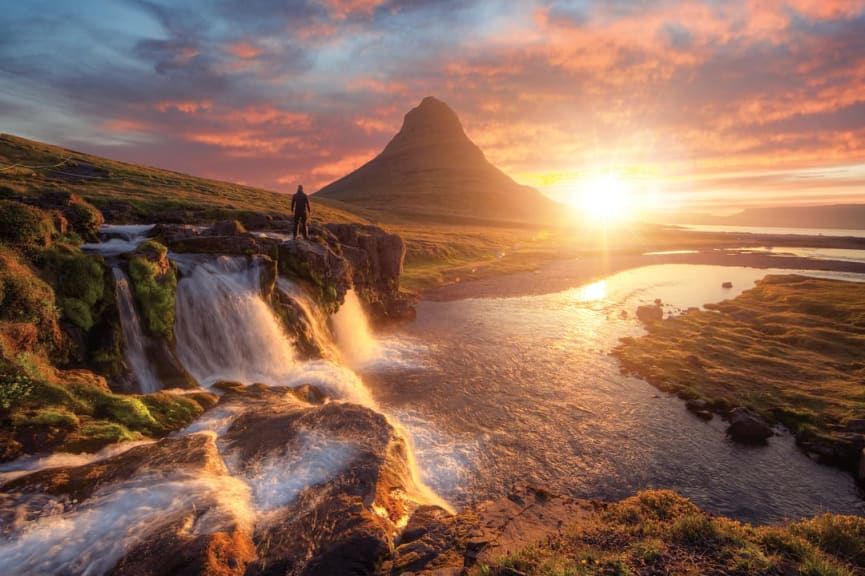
(559, 275)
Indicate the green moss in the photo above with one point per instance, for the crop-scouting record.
(24, 297)
(107, 432)
(15, 385)
(24, 225)
(171, 412)
(155, 289)
(127, 410)
(78, 280)
(48, 417)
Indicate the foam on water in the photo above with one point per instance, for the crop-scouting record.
(29, 464)
(91, 538)
(277, 480)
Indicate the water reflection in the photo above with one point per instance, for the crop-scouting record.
(523, 390)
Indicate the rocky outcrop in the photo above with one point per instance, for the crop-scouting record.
(376, 259)
(649, 314)
(83, 217)
(747, 427)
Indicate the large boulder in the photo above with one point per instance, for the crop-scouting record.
(331, 482)
(747, 427)
(318, 265)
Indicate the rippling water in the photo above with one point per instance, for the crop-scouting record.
(499, 391)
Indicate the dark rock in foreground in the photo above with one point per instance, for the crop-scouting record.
(748, 428)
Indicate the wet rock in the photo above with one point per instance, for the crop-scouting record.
(727, 285)
(226, 228)
(747, 428)
(648, 314)
(342, 520)
(429, 544)
(318, 265)
(376, 259)
(861, 474)
(700, 409)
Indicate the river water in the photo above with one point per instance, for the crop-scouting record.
(505, 390)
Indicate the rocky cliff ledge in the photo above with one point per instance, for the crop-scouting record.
(337, 257)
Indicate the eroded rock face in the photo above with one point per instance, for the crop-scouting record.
(376, 259)
(649, 314)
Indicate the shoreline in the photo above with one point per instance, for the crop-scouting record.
(564, 274)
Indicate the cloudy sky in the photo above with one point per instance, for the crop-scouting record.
(706, 105)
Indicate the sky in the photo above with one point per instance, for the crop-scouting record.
(696, 105)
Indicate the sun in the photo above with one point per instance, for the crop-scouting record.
(605, 198)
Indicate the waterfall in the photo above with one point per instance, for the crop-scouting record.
(311, 314)
(354, 339)
(226, 331)
(134, 340)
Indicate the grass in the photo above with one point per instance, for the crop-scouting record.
(790, 349)
(660, 532)
(133, 193)
(154, 282)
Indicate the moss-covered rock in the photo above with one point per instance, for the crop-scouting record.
(79, 282)
(83, 217)
(154, 283)
(26, 298)
(25, 225)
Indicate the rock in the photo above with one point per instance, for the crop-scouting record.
(226, 228)
(428, 544)
(318, 265)
(83, 217)
(747, 428)
(241, 244)
(700, 409)
(649, 314)
(727, 285)
(256, 221)
(345, 520)
(861, 475)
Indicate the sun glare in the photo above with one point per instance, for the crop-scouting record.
(605, 198)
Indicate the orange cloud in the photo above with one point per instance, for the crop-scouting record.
(341, 9)
(244, 50)
(125, 125)
(185, 106)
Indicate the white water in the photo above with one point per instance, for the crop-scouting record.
(356, 343)
(134, 339)
(89, 539)
(312, 315)
(120, 239)
(226, 331)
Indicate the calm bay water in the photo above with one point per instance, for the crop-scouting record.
(860, 233)
(500, 391)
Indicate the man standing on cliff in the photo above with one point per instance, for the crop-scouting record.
(302, 211)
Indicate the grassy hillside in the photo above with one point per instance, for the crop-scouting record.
(132, 193)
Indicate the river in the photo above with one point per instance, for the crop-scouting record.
(497, 391)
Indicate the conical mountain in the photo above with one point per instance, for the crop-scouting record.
(432, 171)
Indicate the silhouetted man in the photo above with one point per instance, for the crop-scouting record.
(302, 211)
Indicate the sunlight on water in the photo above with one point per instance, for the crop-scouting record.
(524, 390)
(353, 336)
(591, 292)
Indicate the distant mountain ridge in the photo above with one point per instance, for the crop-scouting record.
(432, 170)
(841, 216)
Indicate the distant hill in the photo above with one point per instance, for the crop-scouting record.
(432, 171)
(133, 193)
(847, 216)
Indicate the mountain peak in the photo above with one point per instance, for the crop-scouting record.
(431, 122)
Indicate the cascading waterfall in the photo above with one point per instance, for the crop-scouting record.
(354, 339)
(312, 314)
(226, 331)
(134, 339)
